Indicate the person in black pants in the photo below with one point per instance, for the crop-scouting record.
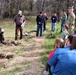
(39, 20)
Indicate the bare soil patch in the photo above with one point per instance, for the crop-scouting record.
(26, 60)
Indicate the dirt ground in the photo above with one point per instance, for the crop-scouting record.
(25, 60)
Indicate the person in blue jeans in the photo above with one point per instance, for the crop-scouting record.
(54, 19)
(64, 59)
(63, 20)
(39, 20)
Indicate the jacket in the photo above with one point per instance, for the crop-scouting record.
(63, 61)
(39, 20)
(17, 20)
(54, 19)
(64, 18)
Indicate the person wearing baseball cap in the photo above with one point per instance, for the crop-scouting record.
(20, 12)
(18, 23)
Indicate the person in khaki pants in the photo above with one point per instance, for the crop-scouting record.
(18, 23)
(71, 20)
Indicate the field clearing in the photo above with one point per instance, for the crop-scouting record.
(30, 56)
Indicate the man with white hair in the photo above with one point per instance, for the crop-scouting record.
(71, 20)
(18, 23)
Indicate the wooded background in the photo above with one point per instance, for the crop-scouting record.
(9, 8)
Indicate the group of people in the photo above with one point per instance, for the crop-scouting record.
(19, 22)
(69, 21)
(41, 19)
(62, 58)
(68, 25)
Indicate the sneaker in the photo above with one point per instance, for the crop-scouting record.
(45, 72)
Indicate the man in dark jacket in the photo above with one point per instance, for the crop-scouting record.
(54, 19)
(18, 25)
(39, 20)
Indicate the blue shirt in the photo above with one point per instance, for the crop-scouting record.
(64, 61)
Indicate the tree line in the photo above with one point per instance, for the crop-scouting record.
(9, 8)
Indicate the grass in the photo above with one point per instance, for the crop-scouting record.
(48, 44)
(9, 33)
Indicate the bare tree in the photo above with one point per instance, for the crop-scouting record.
(39, 5)
(8, 8)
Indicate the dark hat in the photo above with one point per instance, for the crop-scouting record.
(40, 12)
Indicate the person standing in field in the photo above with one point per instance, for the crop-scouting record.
(39, 20)
(54, 19)
(63, 20)
(18, 22)
(71, 20)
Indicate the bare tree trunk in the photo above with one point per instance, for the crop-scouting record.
(39, 5)
(58, 10)
(43, 5)
(1, 9)
(67, 6)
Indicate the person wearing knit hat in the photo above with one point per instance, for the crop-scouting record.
(18, 22)
(20, 12)
(39, 21)
(71, 20)
(63, 20)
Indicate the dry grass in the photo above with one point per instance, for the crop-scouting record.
(27, 55)
(26, 60)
